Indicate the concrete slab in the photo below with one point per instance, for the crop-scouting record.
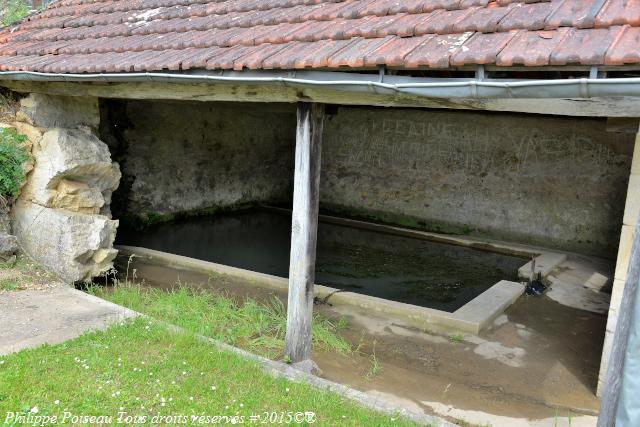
(577, 281)
(484, 308)
(31, 318)
(544, 264)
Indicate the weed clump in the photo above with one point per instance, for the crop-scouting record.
(13, 155)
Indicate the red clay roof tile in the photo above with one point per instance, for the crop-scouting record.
(619, 12)
(435, 51)
(580, 14)
(392, 53)
(526, 16)
(484, 20)
(624, 49)
(317, 55)
(481, 49)
(531, 48)
(353, 55)
(154, 35)
(585, 47)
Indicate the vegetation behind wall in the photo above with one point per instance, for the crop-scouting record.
(13, 154)
(13, 11)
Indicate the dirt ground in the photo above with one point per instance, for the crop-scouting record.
(536, 365)
(25, 274)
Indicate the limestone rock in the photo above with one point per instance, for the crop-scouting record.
(33, 133)
(5, 219)
(8, 247)
(51, 111)
(73, 170)
(77, 196)
(76, 246)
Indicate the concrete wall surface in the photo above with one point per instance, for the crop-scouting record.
(189, 156)
(555, 182)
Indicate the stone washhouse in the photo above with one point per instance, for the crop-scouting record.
(509, 120)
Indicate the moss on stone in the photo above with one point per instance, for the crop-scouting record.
(148, 219)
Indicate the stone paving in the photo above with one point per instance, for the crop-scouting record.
(30, 318)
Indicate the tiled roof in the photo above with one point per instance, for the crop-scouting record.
(82, 36)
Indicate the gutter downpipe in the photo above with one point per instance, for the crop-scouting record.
(352, 82)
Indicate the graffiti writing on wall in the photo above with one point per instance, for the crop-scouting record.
(469, 148)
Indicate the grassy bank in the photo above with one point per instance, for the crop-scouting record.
(259, 328)
(141, 369)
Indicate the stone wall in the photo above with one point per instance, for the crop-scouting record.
(555, 182)
(62, 217)
(193, 156)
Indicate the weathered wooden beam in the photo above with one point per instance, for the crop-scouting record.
(592, 107)
(615, 371)
(304, 226)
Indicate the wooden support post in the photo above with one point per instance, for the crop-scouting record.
(615, 371)
(304, 226)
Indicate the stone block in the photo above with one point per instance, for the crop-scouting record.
(75, 246)
(624, 251)
(51, 111)
(616, 297)
(544, 264)
(604, 362)
(635, 164)
(632, 205)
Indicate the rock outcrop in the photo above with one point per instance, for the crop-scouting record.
(76, 246)
(62, 217)
(8, 242)
(73, 171)
(47, 111)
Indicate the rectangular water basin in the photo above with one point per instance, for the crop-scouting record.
(370, 266)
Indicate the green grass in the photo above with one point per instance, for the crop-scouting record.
(14, 11)
(141, 369)
(456, 338)
(259, 328)
(8, 285)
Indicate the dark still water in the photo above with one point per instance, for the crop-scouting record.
(403, 269)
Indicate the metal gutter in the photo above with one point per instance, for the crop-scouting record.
(369, 83)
